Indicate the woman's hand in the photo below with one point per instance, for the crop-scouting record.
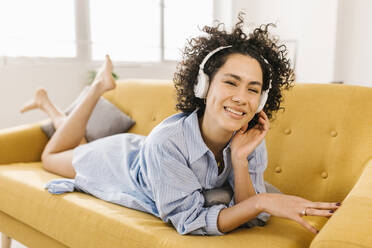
(244, 142)
(292, 207)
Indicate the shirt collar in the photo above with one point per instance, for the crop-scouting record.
(194, 140)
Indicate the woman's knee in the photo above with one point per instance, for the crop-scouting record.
(44, 157)
(59, 163)
(47, 162)
(59, 121)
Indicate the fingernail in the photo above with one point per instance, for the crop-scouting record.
(338, 204)
(331, 211)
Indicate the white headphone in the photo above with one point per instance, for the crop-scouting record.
(202, 85)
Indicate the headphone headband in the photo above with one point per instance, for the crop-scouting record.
(201, 66)
(205, 60)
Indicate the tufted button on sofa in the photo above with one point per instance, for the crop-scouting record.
(326, 129)
(333, 133)
(324, 174)
(287, 131)
(278, 169)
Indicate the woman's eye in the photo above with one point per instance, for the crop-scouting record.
(254, 90)
(229, 82)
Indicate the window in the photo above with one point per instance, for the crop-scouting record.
(130, 31)
(127, 30)
(44, 28)
(182, 20)
(133, 31)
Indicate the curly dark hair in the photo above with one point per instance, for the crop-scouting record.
(257, 44)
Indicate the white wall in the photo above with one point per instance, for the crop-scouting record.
(63, 81)
(317, 41)
(18, 83)
(312, 24)
(353, 60)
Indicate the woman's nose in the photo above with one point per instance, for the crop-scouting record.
(239, 97)
(236, 99)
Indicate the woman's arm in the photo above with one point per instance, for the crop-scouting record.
(233, 217)
(244, 143)
(243, 187)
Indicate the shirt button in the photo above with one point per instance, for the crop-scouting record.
(287, 131)
(278, 169)
(324, 174)
(333, 133)
(154, 118)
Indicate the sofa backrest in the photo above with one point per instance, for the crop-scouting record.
(317, 147)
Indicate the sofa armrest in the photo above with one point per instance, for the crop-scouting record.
(23, 143)
(351, 225)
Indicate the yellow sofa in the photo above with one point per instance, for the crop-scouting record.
(319, 148)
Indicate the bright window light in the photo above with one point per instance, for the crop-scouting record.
(127, 30)
(182, 20)
(37, 28)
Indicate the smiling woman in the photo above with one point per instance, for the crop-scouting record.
(224, 81)
(234, 82)
(239, 80)
(274, 66)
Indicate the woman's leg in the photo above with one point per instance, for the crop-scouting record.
(57, 154)
(42, 102)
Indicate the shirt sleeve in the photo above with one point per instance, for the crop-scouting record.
(178, 193)
(60, 186)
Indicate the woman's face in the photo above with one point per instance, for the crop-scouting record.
(235, 87)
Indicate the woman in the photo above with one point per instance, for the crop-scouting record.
(215, 139)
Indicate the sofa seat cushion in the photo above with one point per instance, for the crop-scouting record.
(80, 220)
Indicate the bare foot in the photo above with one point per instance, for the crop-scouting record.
(104, 78)
(40, 97)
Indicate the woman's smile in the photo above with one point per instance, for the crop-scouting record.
(234, 114)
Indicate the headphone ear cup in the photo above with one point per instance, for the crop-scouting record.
(201, 88)
(263, 100)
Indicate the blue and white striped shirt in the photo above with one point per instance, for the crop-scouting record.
(163, 174)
